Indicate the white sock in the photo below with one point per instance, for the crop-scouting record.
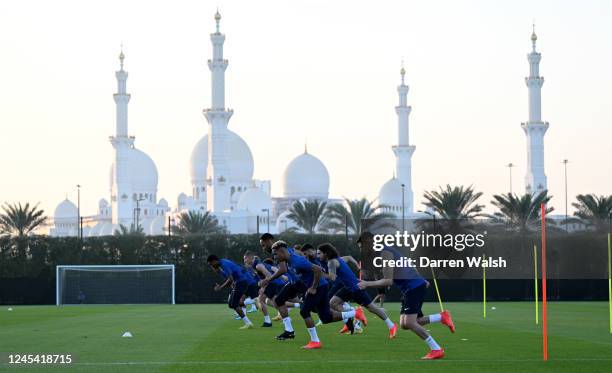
(249, 301)
(244, 310)
(357, 325)
(296, 305)
(432, 344)
(267, 319)
(389, 323)
(287, 322)
(435, 318)
(347, 315)
(347, 307)
(313, 334)
(246, 320)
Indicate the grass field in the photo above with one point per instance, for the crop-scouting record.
(205, 338)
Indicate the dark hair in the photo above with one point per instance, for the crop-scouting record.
(249, 253)
(329, 250)
(297, 247)
(365, 235)
(212, 258)
(306, 247)
(266, 236)
(279, 244)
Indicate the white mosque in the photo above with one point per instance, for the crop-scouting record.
(221, 169)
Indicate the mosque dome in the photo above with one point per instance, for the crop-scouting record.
(66, 210)
(239, 156)
(163, 203)
(306, 177)
(254, 200)
(141, 170)
(391, 193)
(157, 226)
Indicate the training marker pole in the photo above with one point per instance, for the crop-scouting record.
(544, 315)
(433, 276)
(535, 281)
(484, 290)
(610, 279)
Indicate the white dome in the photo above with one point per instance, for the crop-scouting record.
(306, 177)
(391, 193)
(141, 170)
(163, 203)
(95, 230)
(157, 226)
(239, 156)
(102, 203)
(107, 229)
(254, 200)
(66, 209)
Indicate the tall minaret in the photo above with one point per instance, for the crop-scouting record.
(122, 143)
(217, 191)
(403, 150)
(535, 128)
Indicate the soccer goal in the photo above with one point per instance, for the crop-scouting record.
(114, 284)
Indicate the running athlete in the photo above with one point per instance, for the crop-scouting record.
(239, 279)
(413, 288)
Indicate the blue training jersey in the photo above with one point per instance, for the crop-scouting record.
(303, 269)
(236, 272)
(405, 278)
(278, 281)
(346, 276)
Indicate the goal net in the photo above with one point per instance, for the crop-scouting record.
(114, 284)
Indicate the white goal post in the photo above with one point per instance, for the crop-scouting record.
(115, 284)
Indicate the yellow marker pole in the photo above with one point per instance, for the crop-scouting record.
(433, 276)
(484, 290)
(610, 278)
(535, 281)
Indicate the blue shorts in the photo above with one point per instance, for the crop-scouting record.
(412, 301)
(289, 291)
(358, 296)
(236, 294)
(318, 303)
(272, 290)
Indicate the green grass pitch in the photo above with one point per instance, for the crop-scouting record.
(205, 338)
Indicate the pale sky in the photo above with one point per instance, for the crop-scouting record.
(325, 71)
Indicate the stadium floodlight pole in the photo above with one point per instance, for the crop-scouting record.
(565, 161)
(510, 165)
(137, 213)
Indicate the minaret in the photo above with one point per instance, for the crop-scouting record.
(122, 143)
(403, 150)
(218, 196)
(535, 128)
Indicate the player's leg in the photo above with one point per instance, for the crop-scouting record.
(340, 302)
(443, 317)
(236, 296)
(287, 292)
(362, 298)
(409, 315)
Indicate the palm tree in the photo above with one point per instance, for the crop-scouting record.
(454, 203)
(522, 212)
(309, 215)
(125, 231)
(352, 213)
(594, 209)
(195, 222)
(21, 220)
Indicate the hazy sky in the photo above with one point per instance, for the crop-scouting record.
(325, 71)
